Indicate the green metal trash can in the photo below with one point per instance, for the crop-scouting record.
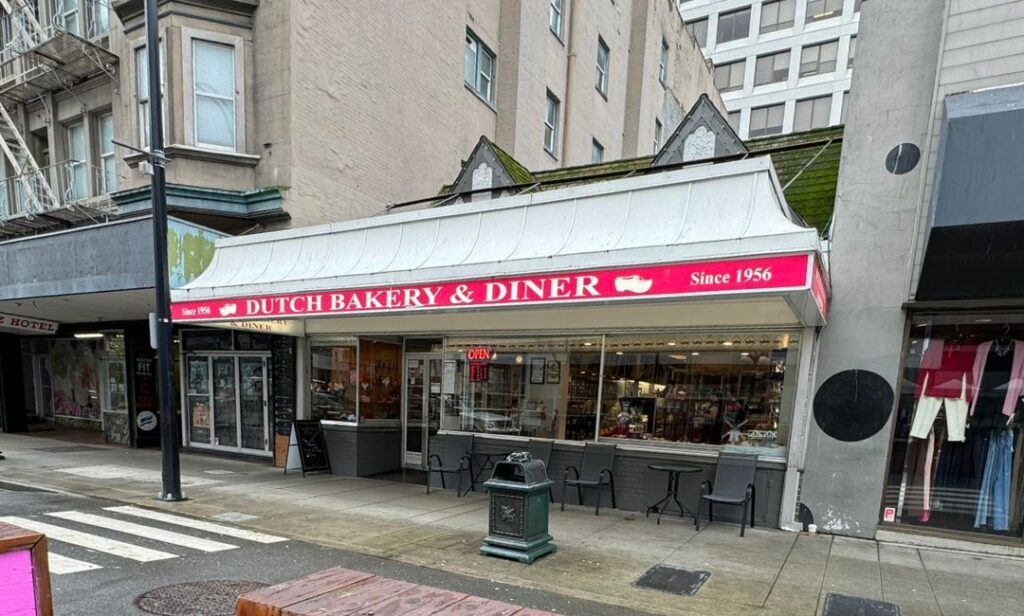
(518, 517)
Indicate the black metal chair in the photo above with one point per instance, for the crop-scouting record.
(541, 450)
(456, 459)
(594, 473)
(733, 485)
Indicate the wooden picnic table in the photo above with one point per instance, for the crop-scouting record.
(338, 592)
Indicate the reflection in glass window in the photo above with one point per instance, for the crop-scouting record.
(333, 381)
(380, 381)
(958, 435)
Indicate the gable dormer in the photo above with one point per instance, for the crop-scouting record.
(703, 134)
(489, 166)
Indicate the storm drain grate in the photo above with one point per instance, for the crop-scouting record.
(848, 605)
(672, 579)
(69, 449)
(206, 598)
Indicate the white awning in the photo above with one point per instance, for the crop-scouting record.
(727, 215)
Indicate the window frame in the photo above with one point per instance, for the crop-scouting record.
(142, 95)
(663, 62)
(188, 38)
(811, 17)
(551, 124)
(74, 165)
(777, 25)
(742, 64)
(767, 109)
(105, 156)
(658, 135)
(731, 15)
(603, 71)
(814, 101)
(556, 17)
(851, 52)
(817, 62)
(596, 151)
(481, 48)
(773, 71)
(692, 26)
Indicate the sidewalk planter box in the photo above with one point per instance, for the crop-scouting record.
(518, 513)
(24, 573)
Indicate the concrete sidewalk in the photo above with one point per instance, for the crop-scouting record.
(599, 557)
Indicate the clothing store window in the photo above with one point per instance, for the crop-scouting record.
(333, 381)
(955, 461)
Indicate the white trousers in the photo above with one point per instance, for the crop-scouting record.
(928, 409)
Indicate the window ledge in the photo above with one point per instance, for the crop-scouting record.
(176, 150)
(480, 97)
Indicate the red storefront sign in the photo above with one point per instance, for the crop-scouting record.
(748, 275)
(27, 325)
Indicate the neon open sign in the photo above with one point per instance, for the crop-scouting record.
(479, 354)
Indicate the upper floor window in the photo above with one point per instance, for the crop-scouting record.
(105, 149)
(142, 90)
(734, 25)
(213, 75)
(88, 18)
(852, 52)
(551, 113)
(777, 15)
(819, 59)
(729, 77)
(842, 111)
(734, 120)
(555, 11)
(99, 17)
(812, 113)
(772, 68)
(596, 151)
(657, 135)
(766, 120)
(698, 29)
(603, 54)
(663, 63)
(823, 9)
(478, 68)
(78, 162)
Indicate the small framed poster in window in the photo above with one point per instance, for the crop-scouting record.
(554, 372)
(537, 366)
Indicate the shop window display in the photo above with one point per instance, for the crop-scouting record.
(380, 381)
(706, 390)
(334, 381)
(956, 460)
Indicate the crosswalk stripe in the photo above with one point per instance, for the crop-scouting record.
(93, 542)
(220, 529)
(130, 528)
(59, 565)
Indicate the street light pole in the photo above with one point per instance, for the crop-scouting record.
(171, 466)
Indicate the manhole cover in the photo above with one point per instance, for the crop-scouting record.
(848, 605)
(207, 598)
(672, 579)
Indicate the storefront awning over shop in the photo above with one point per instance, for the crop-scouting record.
(711, 232)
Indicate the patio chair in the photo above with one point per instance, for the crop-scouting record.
(455, 459)
(594, 473)
(541, 450)
(733, 485)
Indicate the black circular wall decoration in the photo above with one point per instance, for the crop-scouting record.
(902, 158)
(853, 405)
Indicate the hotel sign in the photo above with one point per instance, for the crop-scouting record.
(26, 325)
(734, 276)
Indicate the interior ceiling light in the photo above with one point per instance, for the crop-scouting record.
(88, 335)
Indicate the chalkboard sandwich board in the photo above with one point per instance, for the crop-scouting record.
(307, 441)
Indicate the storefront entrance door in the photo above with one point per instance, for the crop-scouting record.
(226, 398)
(421, 412)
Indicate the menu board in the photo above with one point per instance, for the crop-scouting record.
(282, 387)
(312, 446)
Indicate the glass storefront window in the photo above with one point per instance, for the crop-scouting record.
(334, 381)
(522, 386)
(723, 389)
(956, 461)
(380, 381)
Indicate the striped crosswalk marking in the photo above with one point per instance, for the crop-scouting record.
(59, 565)
(92, 542)
(220, 529)
(149, 532)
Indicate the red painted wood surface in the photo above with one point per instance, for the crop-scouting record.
(343, 592)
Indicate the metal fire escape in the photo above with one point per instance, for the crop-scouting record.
(45, 46)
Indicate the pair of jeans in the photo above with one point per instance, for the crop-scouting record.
(994, 498)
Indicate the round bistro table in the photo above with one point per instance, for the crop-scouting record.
(673, 471)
